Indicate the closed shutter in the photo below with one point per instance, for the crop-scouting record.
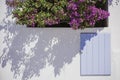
(95, 54)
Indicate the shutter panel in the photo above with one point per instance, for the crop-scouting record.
(95, 54)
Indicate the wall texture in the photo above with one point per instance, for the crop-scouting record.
(50, 54)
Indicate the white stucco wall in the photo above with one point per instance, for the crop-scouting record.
(52, 52)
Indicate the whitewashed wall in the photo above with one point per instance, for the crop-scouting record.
(50, 54)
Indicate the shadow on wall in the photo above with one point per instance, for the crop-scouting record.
(30, 49)
(33, 48)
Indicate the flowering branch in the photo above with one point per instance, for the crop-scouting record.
(77, 13)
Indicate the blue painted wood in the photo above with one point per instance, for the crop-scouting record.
(95, 54)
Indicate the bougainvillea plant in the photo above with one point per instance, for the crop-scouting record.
(76, 13)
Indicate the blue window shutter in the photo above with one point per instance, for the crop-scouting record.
(95, 54)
